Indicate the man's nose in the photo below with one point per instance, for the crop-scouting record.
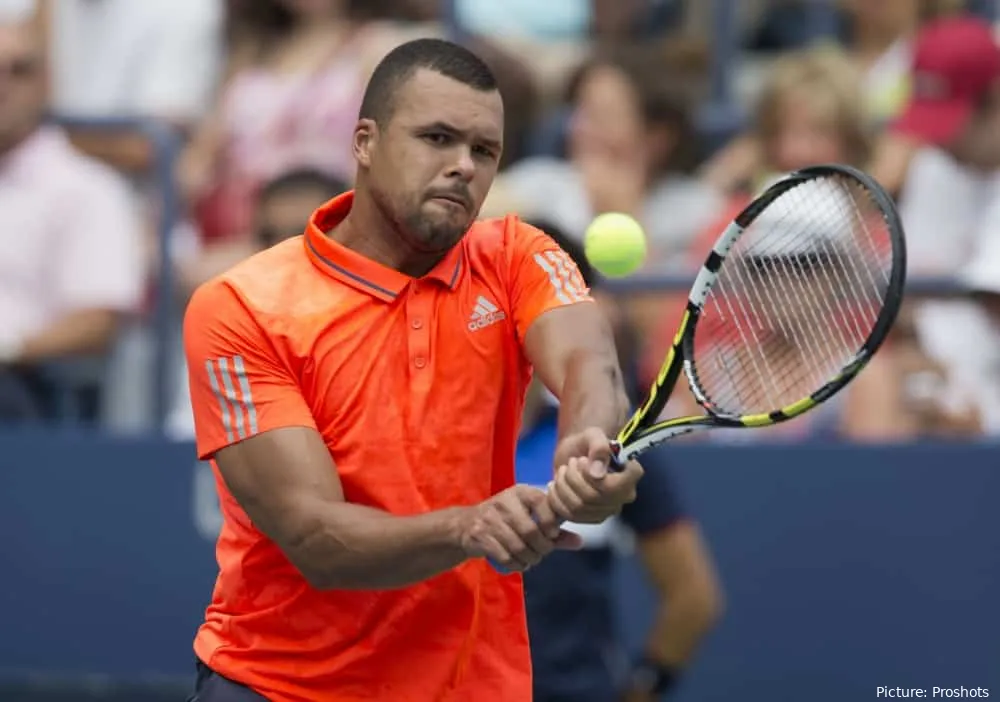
(463, 166)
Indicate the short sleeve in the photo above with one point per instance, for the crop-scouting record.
(239, 385)
(657, 504)
(542, 276)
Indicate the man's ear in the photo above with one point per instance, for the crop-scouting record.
(365, 142)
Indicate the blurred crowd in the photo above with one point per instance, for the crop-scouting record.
(612, 105)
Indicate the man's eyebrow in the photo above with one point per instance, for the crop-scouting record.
(454, 131)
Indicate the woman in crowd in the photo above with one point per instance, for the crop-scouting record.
(289, 99)
(629, 147)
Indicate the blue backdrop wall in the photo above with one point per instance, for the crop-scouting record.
(845, 569)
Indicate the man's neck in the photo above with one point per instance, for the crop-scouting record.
(368, 232)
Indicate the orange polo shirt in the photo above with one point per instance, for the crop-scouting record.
(417, 387)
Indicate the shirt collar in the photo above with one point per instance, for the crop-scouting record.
(360, 272)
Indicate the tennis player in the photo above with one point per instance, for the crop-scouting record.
(359, 391)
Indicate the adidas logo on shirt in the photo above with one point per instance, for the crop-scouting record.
(484, 314)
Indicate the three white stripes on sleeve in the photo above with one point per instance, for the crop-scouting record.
(231, 387)
(563, 276)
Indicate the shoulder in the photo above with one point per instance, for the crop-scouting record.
(277, 282)
(500, 240)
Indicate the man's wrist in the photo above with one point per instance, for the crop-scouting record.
(652, 677)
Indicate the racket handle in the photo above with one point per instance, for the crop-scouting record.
(614, 465)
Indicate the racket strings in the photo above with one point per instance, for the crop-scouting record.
(796, 299)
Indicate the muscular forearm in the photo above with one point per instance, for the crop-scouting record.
(351, 547)
(593, 395)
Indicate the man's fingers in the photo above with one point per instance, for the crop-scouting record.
(528, 529)
(598, 444)
(582, 482)
(557, 489)
(567, 479)
(591, 444)
(520, 509)
(547, 519)
(536, 506)
(521, 554)
(623, 484)
(495, 552)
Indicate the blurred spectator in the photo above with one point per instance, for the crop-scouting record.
(577, 20)
(551, 20)
(282, 210)
(576, 654)
(810, 111)
(155, 58)
(877, 38)
(950, 201)
(982, 277)
(952, 126)
(904, 394)
(630, 148)
(290, 99)
(286, 203)
(879, 35)
(158, 59)
(77, 263)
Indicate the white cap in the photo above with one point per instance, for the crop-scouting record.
(808, 218)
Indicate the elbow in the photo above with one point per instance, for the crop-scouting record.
(319, 557)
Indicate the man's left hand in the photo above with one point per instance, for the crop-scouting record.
(584, 490)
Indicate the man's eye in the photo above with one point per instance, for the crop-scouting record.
(484, 152)
(436, 138)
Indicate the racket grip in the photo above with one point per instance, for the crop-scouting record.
(615, 465)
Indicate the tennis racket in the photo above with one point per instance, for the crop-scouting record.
(796, 296)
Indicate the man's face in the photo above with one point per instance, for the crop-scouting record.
(22, 89)
(431, 165)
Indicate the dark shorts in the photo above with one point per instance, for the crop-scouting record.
(212, 687)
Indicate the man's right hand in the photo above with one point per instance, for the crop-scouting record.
(515, 529)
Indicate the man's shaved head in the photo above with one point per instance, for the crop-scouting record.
(400, 64)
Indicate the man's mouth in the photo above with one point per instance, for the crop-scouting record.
(452, 199)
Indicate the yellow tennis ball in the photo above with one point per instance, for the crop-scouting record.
(615, 244)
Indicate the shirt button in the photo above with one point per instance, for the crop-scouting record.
(416, 323)
(420, 361)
